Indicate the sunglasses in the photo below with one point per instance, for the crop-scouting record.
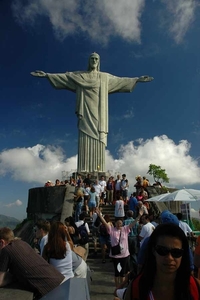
(163, 251)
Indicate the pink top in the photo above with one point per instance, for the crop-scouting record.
(114, 237)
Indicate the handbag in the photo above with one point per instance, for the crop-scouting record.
(115, 250)
(79, 250)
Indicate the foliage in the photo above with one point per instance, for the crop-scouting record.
(196, 224)
(158, 173)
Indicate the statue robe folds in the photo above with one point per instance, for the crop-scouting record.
(92, 89)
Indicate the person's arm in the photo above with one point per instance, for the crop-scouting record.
(39, 74)
(123, 284)
(102, 218)
(135, 221)
(5, 278)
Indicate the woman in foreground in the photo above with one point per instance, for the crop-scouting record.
(166, 272)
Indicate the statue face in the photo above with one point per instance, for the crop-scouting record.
(94, 62)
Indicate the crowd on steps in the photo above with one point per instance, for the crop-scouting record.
(151, 255)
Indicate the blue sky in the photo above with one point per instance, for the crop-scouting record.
(157, 123)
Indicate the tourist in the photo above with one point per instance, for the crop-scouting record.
(147, 228)
(184, 226)
(42, 228)
(73, 230)
(57, 251)
(110, 190)
(79, 203)
(104, 237)
(124, 188)
(166, 273)
(119, 238)
(102, 183)
(98, 191)
(92, 201)
(133, 203)
(83, 227)
(119, 208)
(132, 240)
(21, 264)
(117, 191)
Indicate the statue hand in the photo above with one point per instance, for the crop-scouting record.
(39, 74)
(145, 78)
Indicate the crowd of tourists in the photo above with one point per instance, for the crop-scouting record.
(151, 256)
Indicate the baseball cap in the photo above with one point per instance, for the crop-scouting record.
(167, 217)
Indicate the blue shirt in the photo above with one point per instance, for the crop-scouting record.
(133, 203)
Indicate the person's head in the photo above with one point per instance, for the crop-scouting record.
(134, 194)
(94, 62)
(118, 177)
(167, 217)
(92, 189)
(123, 176)
(144, 219)
(79, 193)
(118, 223)
(129, 213)
(179, 216)
(167, 253)
(82, 216)
(42, 228)
(139, 204)
(69, 221)
(6, 236)
(107, 218)
(57, 182)
(56, 245)
(88, 175)
(102, 178)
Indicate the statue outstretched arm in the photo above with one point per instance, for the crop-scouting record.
(145, 78)
(39, 74)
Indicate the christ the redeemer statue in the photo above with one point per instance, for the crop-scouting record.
(92, 88)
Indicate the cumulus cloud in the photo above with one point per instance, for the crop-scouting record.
(179, 16)
(99, 19)
(16, 203)
(41, 163)
(194, 213)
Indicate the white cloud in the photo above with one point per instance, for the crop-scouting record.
(99, 19)
(194, 213)
(180, 15)
(16, 203)
(41, 163)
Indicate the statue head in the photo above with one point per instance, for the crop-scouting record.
(94, 62)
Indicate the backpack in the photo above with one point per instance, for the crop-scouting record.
(97, 222)
(84, 237)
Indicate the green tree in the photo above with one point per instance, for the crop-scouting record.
(158, 173)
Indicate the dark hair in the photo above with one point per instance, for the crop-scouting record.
(71, 222)
(82, 216)
(129, 213)
(107, 218)
(179, 216)
(92, 189)
(43, 224)
(148, 271)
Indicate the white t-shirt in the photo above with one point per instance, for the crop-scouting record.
(146, 231)
(118, 184)
(64, 265)
(103, 185)
(185, 227)
(81, 222)
(119, 209)
(97, 189)
(43, 242)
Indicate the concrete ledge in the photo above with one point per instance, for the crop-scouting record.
(11, 293)
(74, 288)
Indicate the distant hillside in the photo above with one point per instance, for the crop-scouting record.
(10, 222)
